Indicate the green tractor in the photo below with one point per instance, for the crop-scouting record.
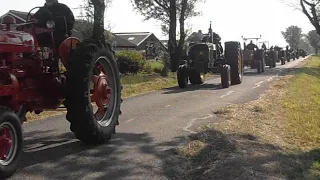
(207, 56)
(253, 56)
(271, 56)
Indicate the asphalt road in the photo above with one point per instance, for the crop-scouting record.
(150, 126)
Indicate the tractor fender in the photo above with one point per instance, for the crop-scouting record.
(66, 48)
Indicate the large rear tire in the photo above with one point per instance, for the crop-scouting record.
(233, 57)
(93, 62)
(11, 142)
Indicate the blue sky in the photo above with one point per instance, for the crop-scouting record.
(231, 18)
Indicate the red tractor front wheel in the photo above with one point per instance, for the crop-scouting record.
(10, 142)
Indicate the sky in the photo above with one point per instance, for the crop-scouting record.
(231, 19)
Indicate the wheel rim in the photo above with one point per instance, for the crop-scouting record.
(104, 91)
(8, 143)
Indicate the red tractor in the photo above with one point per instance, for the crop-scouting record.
(32, 80)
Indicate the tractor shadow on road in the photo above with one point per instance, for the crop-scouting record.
(189, 88)
(223, 156)
(63, 157)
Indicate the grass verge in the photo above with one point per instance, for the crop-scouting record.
(274, 137)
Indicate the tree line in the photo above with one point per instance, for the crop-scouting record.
(311, 9)
(174, 13)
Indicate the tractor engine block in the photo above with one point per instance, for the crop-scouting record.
(25, 80)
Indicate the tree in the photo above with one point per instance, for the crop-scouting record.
(87, 24)
(314, 40)
(293, 35)
(310, 8)
(305, 44)
(167, 11)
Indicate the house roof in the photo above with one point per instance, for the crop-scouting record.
(135, 38)
(120, 42)
(17, 14)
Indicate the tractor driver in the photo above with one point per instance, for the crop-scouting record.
(251, 46)
(62, 16)
(264, 46)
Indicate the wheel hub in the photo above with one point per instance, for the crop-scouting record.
(102, 92)
(5, 143)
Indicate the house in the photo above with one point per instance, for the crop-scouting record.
(136, 40)
(165, 43)
(145, 42)
(119, 43)
(21, 17)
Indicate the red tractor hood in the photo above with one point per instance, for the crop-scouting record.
(16, 42)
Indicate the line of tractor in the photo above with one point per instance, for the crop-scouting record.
(208, 56)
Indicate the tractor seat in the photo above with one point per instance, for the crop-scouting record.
(8, 20)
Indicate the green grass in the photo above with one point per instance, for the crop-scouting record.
(153, 67)
(302, 105)
(156, 64)
(145, 83)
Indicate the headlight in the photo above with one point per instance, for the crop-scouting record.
(50, 24)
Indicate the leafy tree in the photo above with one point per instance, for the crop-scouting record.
(167, 12)
(314, 40)
(86, 25)
(293, 35)
(305, 44)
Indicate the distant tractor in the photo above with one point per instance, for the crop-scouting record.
(207, 56)
(271, 56)
(255, 58)
(302, 53)
(282, 55)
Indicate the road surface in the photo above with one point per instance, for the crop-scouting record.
(150, 126)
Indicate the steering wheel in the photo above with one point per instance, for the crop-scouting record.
(30, 16)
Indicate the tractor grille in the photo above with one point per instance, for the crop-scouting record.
(199, 52)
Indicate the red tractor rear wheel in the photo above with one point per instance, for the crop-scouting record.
(93, 77)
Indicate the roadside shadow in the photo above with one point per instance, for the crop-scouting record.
(237, 156)
(311, 71)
